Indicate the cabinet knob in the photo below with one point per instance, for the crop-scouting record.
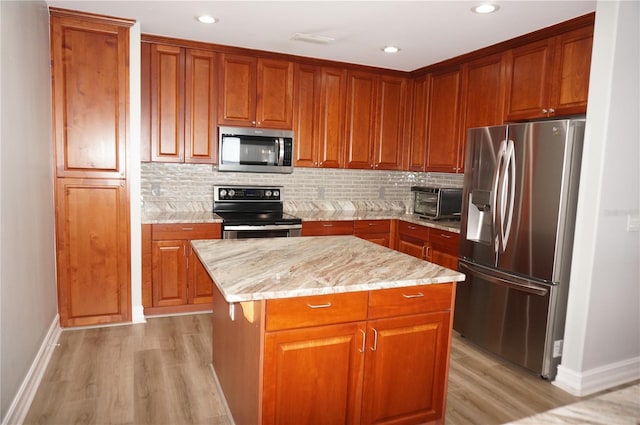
(545, 111)
(551, 110)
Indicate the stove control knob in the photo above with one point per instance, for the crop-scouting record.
(276, 193)
(231, 193)
(268, 194)
(223, 193)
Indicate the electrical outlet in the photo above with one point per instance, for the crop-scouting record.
(633, 223)
(557, 348)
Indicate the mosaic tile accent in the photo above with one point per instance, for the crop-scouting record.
(189, 187)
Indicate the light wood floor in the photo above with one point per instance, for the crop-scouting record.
(157, 373)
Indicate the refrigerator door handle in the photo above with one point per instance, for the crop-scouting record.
(496, 221)
(519, 283)
(507, 195)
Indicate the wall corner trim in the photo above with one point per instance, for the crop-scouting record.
(599, 378)
(22, 401)
(138, 315)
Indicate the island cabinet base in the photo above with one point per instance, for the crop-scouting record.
(372, 357)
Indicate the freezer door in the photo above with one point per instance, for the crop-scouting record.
(529, 199)
(506, 317)
(482, 165)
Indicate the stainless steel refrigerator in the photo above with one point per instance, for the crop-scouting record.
(516, 239)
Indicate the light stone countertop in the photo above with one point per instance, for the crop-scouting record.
(172, 217)
(257, 269)
(620, 407)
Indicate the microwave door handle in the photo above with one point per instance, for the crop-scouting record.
(280, 146)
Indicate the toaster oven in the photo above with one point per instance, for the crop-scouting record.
(437, 203)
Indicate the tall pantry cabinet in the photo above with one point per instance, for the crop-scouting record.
(90, 90)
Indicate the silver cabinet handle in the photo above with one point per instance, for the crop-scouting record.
(327, 225)
(327, 305)
(418, 295)
(186, 228)
(551, 110)
(364, 339)
(375, 339)
(446, 236)
(411, 228)
(544, 110)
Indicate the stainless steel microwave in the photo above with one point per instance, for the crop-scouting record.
(255, 150)
(437, 203)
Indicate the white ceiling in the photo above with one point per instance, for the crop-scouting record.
(427, 32)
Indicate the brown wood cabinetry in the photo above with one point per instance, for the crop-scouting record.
(255, 92)
(431, 244)
(90, 90)
(377, 231)
(327, 228)
(319, 116)
(376, 117)
(443, 123)
(178, 104)
(173, 278)
(418, 145)
(413, 239)
(382, 358)
(549, 77)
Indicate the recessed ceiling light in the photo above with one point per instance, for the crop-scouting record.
(485, 8)
(390, 49)
(206, 19)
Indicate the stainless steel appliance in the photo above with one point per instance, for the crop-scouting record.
(437, 203)
(255, 150)
(516, 239)
(253, 212)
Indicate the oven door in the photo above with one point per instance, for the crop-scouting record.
(261, 231)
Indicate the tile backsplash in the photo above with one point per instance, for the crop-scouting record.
(187, 187)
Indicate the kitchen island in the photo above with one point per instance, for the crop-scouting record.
(328, 330)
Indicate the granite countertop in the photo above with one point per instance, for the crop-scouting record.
(616, 407)
(171, 217)
(257, 269)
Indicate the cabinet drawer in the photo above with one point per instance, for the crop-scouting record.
(327, 228)
(445, 241)
(185, 231)
(414, 230)
(316, 310)
(371, 226)
(410, 300)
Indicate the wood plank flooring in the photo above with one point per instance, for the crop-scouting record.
(157, 373)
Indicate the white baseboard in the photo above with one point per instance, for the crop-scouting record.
(137, 314)
(22, 401)
(597, 379)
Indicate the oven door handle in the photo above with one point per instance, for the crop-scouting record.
(246, 227)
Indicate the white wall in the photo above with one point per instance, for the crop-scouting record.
(602, 337)
(28, 304)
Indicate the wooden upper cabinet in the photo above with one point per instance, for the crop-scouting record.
(320, 95)
(549, 77)
(90, 95)
(255, 92)
(376, 106)
(200, 132)
(361, 118)
(443, 123)
(389, 143)
(418, 141)
(92, 234)
(167, 100)
(178, 104)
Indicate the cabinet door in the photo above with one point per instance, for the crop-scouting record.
(275, 94)
(413, 247)
(406, 369)
(169, 273)
(443, 123)
(361, 107)
(529, 68)
(93, 260)
(418, 149)
(90, 91)
(237, 90)
(389, 144)
(200, 284)
(167, 100)
(572, 63)
(376, 231)
(200, 133)
(327, 228)
(314, 375)
(333, 97)
(307, 115)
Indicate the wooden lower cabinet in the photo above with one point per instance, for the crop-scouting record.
(431, 244)
(358, 358)
(376, 231)
(174, 280)
(93, 261)
(327, 228)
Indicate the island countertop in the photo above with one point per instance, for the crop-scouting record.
(257, 269)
